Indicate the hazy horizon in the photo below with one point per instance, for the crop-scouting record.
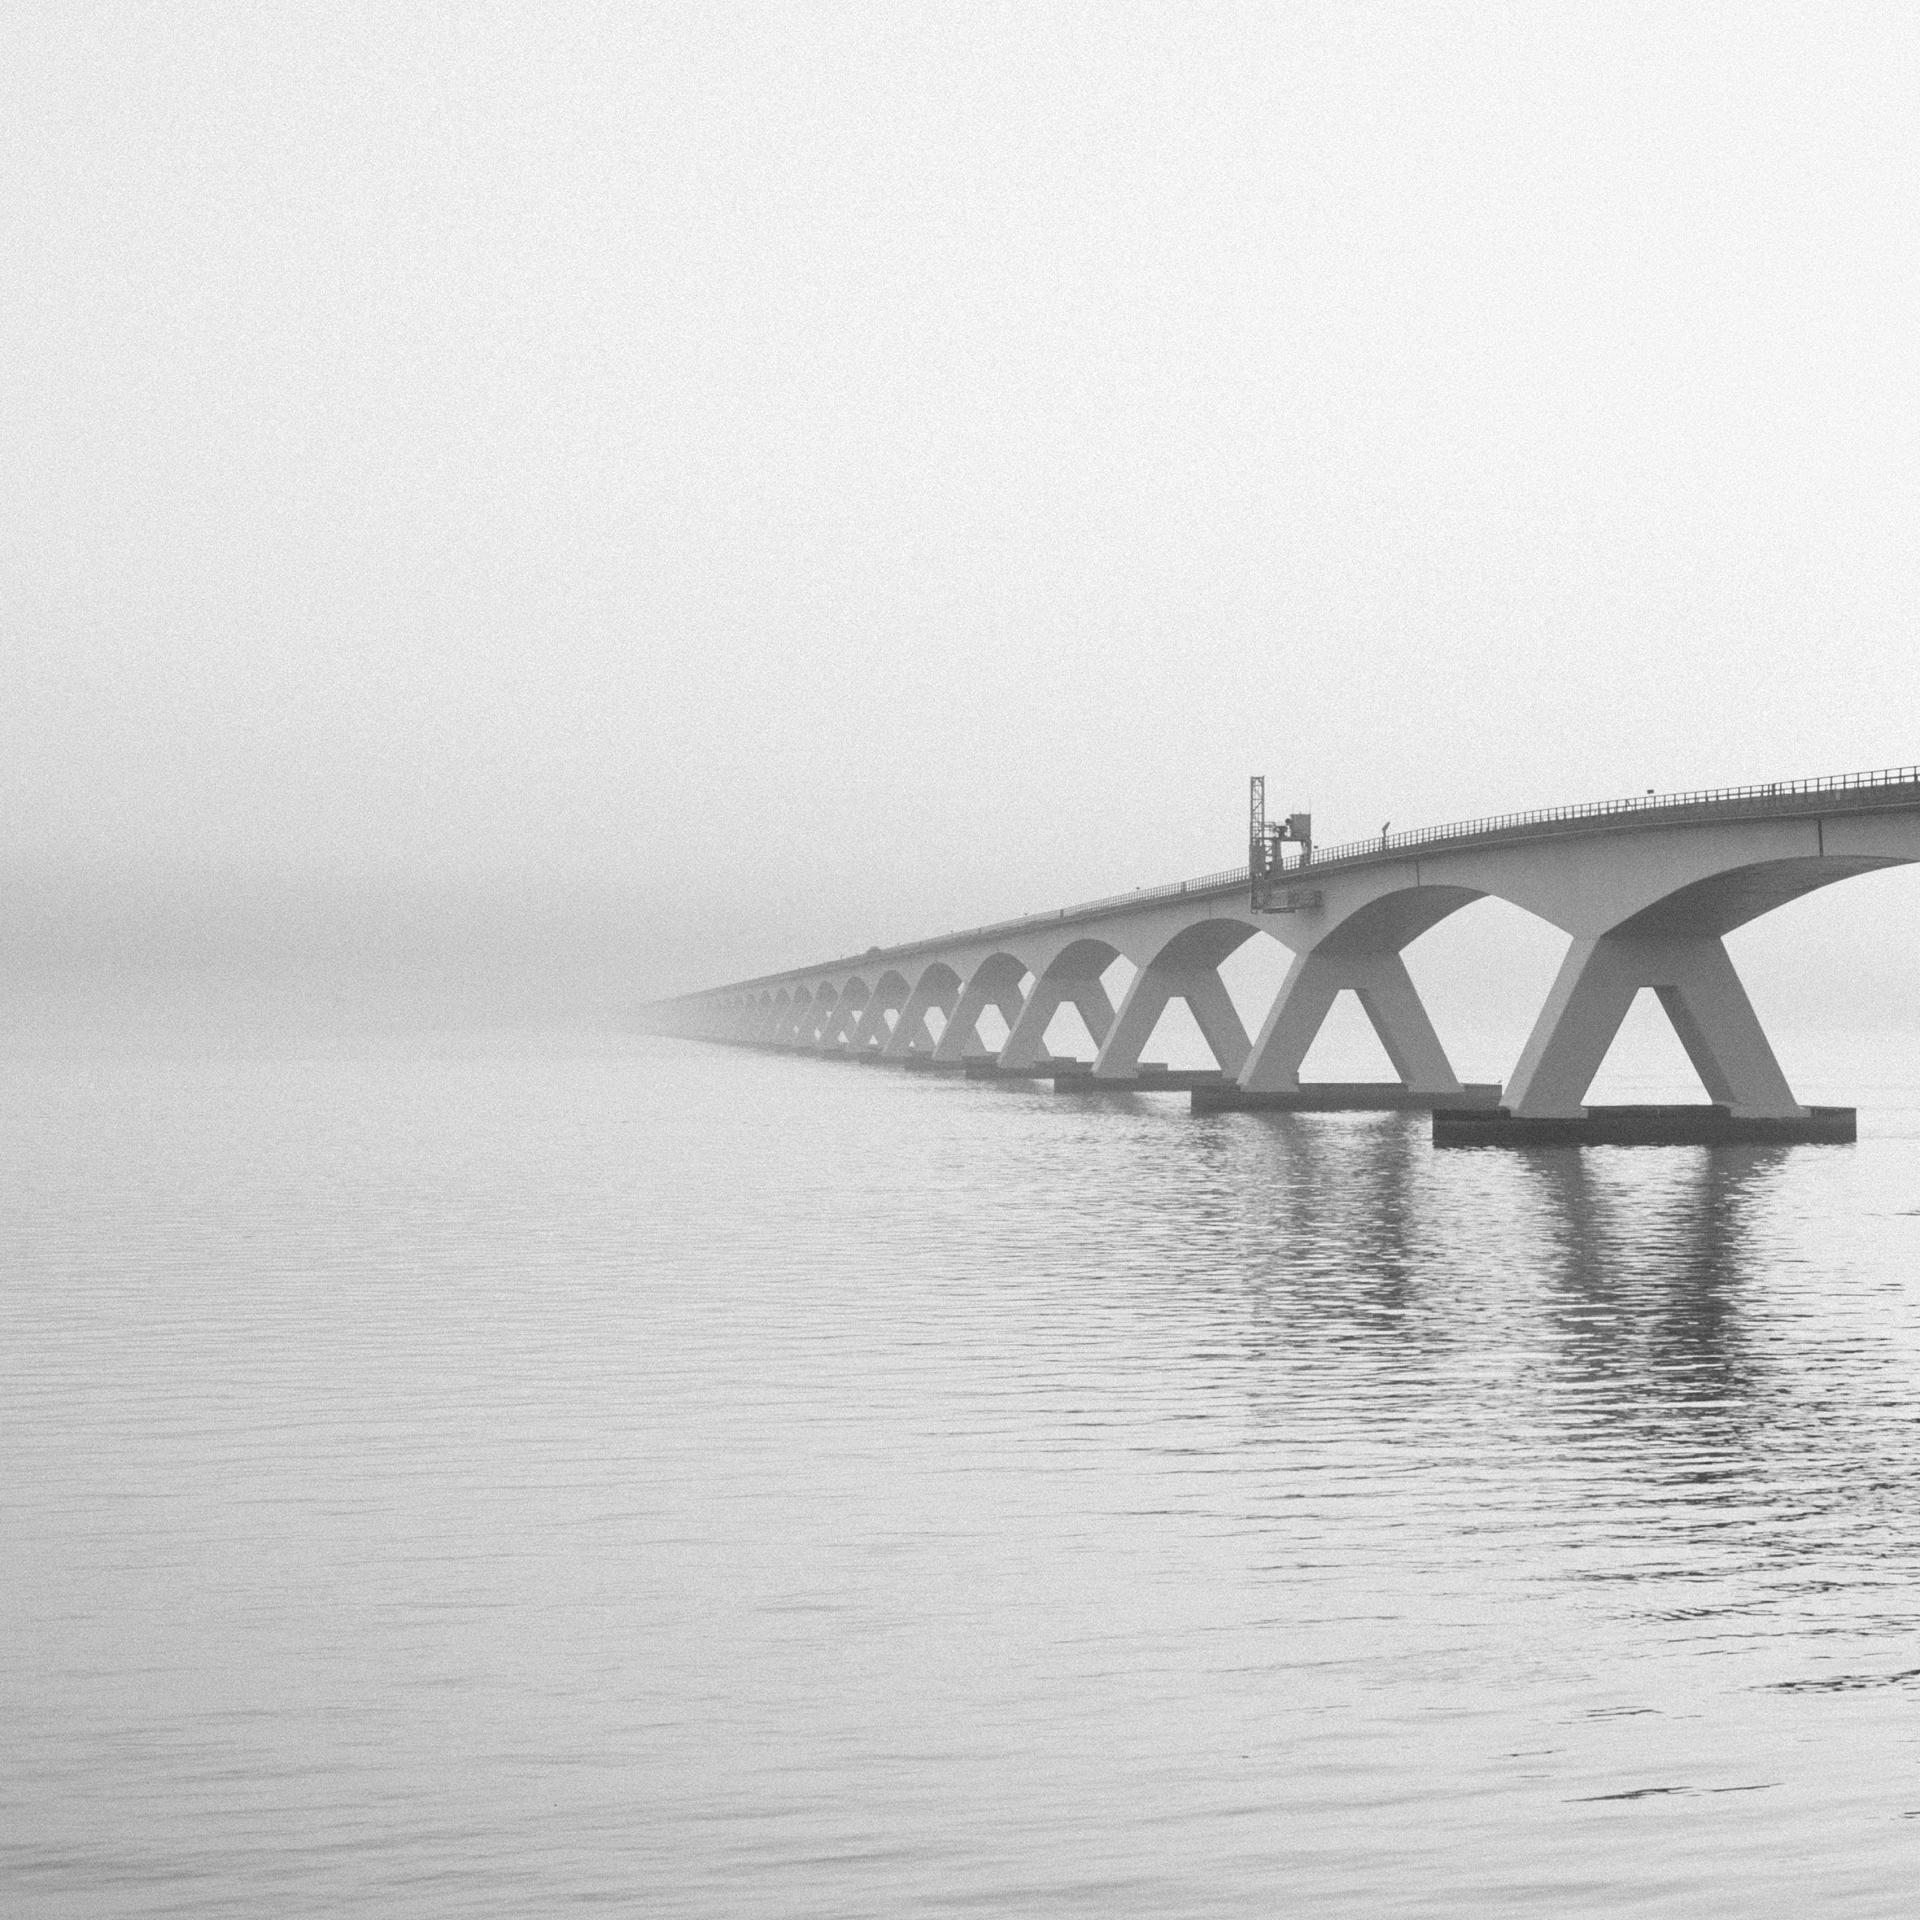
(752, 484)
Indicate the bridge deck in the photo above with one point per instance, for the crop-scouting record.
(1888, 789)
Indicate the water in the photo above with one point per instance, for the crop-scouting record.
(503, 1479)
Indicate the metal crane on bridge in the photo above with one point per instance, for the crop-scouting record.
(1267, 870)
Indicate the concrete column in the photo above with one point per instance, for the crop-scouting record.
(1027, 1039)
(806, 1016)
(1095, 1009)
(872, 1029)
(1380, 980)
(1704, 999)
(826, 1005)
(1219, 1020)
(937, 987)
(844, 1018)
(994, 984)
(1206, 996)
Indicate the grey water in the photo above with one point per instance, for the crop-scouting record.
(510, 1477)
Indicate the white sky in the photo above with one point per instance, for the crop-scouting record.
(822, 474)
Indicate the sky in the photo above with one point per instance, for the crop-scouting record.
(680, 491)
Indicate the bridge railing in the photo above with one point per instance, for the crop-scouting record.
(1741, 799)
(1638, 805)
(1206, 883)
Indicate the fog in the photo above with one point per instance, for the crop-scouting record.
(607, 499)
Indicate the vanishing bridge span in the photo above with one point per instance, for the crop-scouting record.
(1647, 889)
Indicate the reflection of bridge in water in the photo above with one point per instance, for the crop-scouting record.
(1647, 888)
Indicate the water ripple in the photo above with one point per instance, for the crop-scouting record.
(706, 1484)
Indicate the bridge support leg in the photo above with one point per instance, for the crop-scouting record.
(962, 1036)
(1027, 1039)
(818, 1018)
(911, 1034)
(1704, 999)
(1384, 988)
(872, 1030)
(842, 1021)
(1146, 999)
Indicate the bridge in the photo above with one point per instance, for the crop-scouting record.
(1647, 889)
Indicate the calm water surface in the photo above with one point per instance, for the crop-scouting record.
(682, 1482)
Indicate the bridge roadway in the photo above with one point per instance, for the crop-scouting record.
(1647, 889)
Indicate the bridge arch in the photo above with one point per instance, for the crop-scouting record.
(1719, 902)
(889, 995)
(1086, 958)
(1360, 953)
(1658, 924)
(1675, 945)
(847, 1009)
(1656, 921)
(825, 996)
(1073, 977)
(1395, 919)
(995, 982)
(936, 990)
(1205, 943)
(788, 1005)
(1186, 966)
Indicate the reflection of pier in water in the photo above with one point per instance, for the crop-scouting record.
(1628, 1329)
(1617, 1250)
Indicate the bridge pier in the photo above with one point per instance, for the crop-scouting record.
(871, 1033)
(786, 1025)
(1146, 999)
(1379, 979)
(845, 1016)
(994, 983)
(1598, 980)
(1027, 1039)
(936, 990)
(1703, 997)
(815, 1022)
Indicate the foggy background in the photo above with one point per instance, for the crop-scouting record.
(511, 510)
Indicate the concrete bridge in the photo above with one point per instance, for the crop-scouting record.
(1647, 888)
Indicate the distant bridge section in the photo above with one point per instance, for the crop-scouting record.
(1647, 888)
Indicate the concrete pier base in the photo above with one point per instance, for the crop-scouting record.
(1340, 1096)
(1040, 1070)
(1688, 1126)
(1149, 1077)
